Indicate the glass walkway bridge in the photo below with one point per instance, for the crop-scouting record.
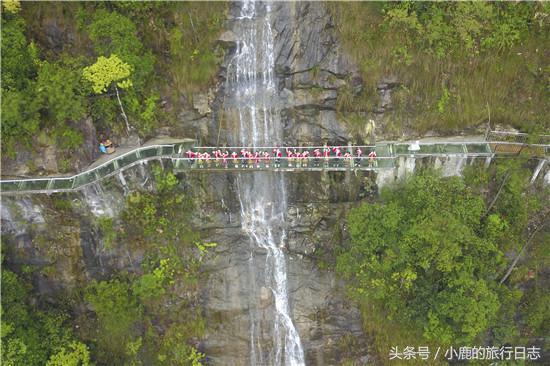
(387, 155)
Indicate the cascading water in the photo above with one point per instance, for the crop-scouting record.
(453, 165)
(251, 97)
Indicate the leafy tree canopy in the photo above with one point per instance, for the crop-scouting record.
(106, 71)
(18, 55)
(11, 6)
(429, 256)
(60, 91)
(76, 354)
(117, 313)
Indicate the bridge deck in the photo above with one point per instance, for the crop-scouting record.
(174, 150)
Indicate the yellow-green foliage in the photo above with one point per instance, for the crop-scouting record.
(108, 70)
(458, 63)
(11, 6)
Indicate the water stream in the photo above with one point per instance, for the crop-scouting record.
(251, 95)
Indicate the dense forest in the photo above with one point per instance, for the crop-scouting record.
(430, 259)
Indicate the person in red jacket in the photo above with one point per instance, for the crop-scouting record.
(298, 159)
(250, 157)
(326, 155)
(359, 154)
(338, 152)
(348, 159)
(290, 157)
(305, 158)
(317, 153)
(224, 155)
(244, 155)
(199, 159)
(372, 159)
(217, 154)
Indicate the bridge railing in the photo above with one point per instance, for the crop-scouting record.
(381, 150)
(285, 163)
(94, 174)
(386, 155)
(447, 148)
(518, 137)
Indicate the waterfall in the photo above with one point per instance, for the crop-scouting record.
(251, 95)
(99, 202)
(454, 165)
(406, 166)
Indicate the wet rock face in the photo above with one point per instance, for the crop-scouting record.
(58, 237)
(312, 69)
(236, 297)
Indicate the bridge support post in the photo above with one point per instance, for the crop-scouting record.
(537, 170)
(488, 161)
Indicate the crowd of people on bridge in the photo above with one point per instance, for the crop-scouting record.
(295, 158)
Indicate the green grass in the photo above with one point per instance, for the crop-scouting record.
(193, 58)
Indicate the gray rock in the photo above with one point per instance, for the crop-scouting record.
(201, 104)
(227, 39)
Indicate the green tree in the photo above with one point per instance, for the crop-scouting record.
(174, 349)
(20, 118)
(18, 56)
(107, 72)
(441, 281)
(113, 33)
(19, 110)
(60, 92)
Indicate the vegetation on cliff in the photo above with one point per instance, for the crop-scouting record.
(144, 312)
(427, 261)
(458, 64)
(46, 46)
(31, 336)
(150, 317)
